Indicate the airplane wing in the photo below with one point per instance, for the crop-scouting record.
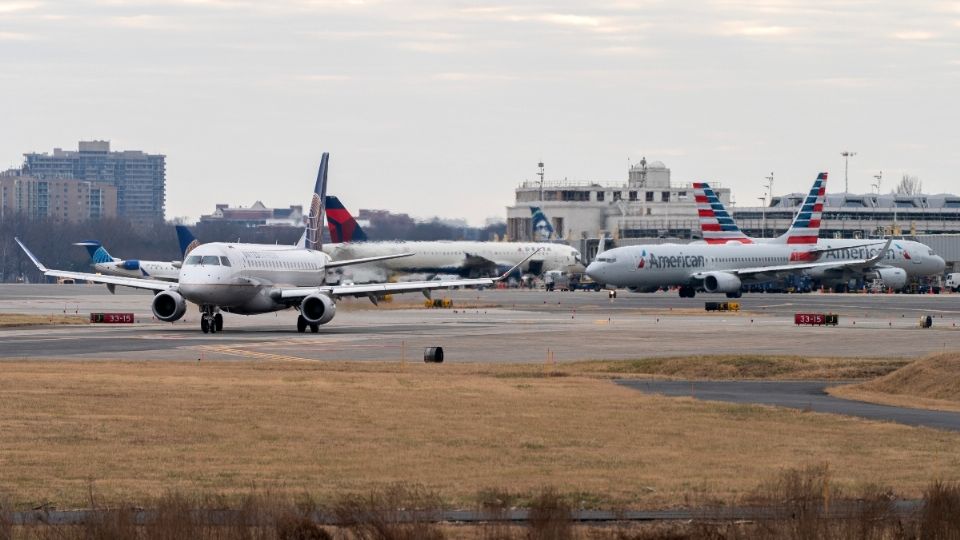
(348, 262)
(136, 283)
(379, 289)
(857, 264)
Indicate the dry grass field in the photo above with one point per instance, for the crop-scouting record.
(20, 319)
(927, 383)
(138, 429)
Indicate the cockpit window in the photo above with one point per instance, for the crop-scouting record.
(211, 260)
(193, 259)
(224, 261)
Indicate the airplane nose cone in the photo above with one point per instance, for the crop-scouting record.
(593, 270)
(941, 264)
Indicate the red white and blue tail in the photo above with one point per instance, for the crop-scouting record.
(715, 222)
(805, 229)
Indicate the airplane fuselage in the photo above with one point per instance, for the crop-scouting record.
(663, 265)
(238, 278)
(464, 258)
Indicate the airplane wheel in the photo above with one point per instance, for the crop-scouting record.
(218, 322)
(204, 325)
(213, 326)
(301, 324)
(314, 328)
(737, 294)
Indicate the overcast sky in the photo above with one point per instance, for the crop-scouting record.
(442, 108)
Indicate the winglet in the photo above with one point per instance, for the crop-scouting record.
(876, 258)
(504, 275)
(33, 257)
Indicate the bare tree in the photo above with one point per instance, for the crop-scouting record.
(909, 185)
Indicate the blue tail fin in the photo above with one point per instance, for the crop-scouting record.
(343, 227)
(98, 254)
(314, 233)
(541, 225)
(186, 239)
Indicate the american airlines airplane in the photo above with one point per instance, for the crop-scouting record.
(248, 279)
(913, 258)
(104, 263)
(463, 258)
(723, 268)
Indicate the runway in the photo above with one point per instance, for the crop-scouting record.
(804, 395)
(490, 326)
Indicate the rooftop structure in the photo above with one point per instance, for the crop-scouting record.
(256, 215)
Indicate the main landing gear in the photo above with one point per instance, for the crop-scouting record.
(687, 291)
(302, 325)
(211, 321)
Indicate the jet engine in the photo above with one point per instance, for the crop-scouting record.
(895, 278)
(169, 306)
(721, 282)
(130, 264)
(318, 309)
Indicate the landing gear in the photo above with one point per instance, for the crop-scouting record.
(687, 291)
(211, 320)
(302, 325)
(737, 294)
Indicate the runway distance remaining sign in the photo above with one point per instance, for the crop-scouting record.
(112, 318)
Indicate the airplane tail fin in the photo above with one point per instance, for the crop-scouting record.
(805, 229)
(541, 225)
(343, 227)
(98, 253)
(716, 224)
(186, 239)
(314, 233)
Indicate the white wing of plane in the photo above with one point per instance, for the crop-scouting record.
(857, 264)
(378, 289)
(137, 283)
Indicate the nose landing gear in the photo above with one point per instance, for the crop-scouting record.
(211, 321)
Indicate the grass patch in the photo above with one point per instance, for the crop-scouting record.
(744, 367)
(143, 428)
(20, 319)
(932, 382)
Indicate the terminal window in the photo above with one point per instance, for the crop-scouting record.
(665, 196)
(649, 196)
(599, 196)
(633, 195)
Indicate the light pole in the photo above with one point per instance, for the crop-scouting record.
(879, 178)
(540, 174)
(763, 213)
(846, 169)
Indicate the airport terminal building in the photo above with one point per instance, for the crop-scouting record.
(650, 208)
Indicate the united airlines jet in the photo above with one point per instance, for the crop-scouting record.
(248, 279)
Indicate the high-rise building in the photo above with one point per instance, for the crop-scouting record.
(58, 198)
(139, 178)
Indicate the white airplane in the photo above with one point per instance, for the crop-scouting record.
(914, 258)
(466, 259)
(723, 268)
(104, 263)
(248, 279)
